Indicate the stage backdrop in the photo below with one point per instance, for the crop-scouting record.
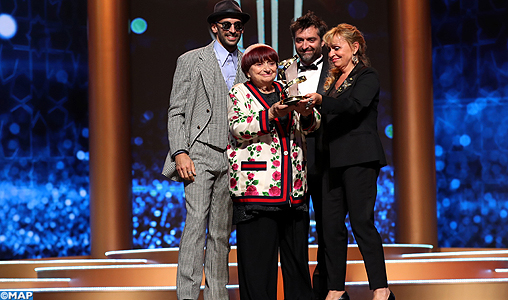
(44, 201)
(470, 65)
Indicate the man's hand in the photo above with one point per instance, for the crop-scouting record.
(185, 167)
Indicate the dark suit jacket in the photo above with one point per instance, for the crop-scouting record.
(348, 133)
(311, 138)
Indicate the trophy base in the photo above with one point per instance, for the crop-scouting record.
(293, 100)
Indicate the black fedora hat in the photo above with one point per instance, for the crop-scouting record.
(225, 9)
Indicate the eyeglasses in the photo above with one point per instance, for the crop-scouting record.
(227, 25)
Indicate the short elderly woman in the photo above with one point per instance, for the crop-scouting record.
(268, 181)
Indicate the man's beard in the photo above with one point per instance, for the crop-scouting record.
(308, 58)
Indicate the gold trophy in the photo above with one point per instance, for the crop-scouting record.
(288, 69)
(285, 64)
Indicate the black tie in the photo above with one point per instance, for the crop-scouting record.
(313, 66)
(303, 68)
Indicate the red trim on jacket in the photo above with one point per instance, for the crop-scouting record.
(253, 165)
(283, 135)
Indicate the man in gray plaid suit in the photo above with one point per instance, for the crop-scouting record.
(198, 137)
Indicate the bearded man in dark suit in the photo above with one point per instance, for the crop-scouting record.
(307, 32)
(198, 136)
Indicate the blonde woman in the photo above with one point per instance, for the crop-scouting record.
(350, 155)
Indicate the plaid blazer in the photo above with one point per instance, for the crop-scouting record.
(197, 84)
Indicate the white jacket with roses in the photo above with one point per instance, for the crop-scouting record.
(267, 161)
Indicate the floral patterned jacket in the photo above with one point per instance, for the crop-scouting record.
(267, 161)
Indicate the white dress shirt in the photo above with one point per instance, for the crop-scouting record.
(311, 84)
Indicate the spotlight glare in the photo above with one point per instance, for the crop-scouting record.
(8, 26)
(138, 25)
(389, 131)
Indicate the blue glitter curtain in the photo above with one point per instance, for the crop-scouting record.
(470, 67)
(44, 205)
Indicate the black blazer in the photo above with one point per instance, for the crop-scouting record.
(348, 134)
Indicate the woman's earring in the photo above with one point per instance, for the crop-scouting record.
(355, 59)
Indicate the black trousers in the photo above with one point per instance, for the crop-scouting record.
(352, 190)
(258, 244)
(319, 285)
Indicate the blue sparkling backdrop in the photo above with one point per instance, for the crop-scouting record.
(470, 67)
(44, 203)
